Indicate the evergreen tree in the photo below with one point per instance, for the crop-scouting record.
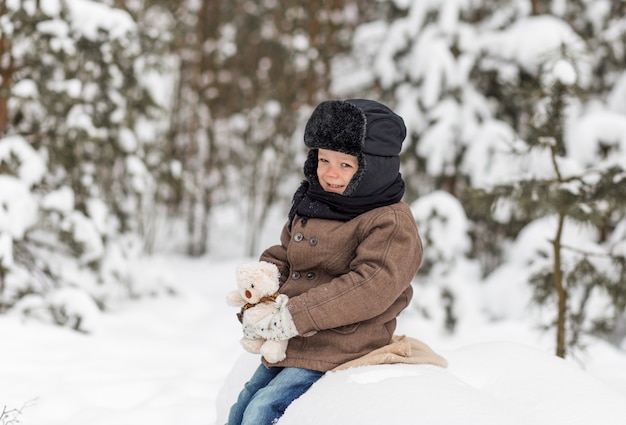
(569, 277)
(549, 103)
(77, 107)
(485, 91)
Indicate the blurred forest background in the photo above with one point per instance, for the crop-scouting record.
(125, 122)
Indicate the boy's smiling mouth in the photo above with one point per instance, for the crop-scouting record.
(334, 187)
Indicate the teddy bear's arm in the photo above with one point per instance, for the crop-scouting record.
(234, 298)
(259, 312)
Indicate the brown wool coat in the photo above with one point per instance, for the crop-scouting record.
(346, 282)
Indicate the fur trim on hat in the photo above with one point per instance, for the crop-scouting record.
(338, 126)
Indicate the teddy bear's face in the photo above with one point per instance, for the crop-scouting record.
(257, 280)
(250, 295)
(253, 291)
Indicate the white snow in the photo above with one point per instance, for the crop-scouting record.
(61, 200)
(85, 233)
(91, 16)
(30, 166)
(533, 40)
(18, 211)
(593, 130)
(173, 360)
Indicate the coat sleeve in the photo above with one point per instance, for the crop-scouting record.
(387, 258)
(277, 254)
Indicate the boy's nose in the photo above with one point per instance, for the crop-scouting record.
(332, 172)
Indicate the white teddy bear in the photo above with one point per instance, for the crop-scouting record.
(257, 282)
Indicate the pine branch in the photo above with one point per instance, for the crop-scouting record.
(12, 416)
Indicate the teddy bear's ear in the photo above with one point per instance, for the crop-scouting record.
(269, 269)
(243, 273)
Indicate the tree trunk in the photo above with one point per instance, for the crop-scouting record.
(198, 220)
(535, 7)
(561, 291)
(6, 71)
(2, 277)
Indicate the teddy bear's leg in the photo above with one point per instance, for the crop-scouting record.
(252, 345)
(274, 351)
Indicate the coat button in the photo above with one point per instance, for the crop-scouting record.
(295, 275)
(313, 241)
(310, 275)
(298, 237)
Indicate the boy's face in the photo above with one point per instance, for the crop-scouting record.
(335, 170)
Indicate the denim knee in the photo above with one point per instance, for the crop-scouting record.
(269, 402)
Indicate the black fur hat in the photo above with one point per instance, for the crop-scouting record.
(364, 128)
(336, 125)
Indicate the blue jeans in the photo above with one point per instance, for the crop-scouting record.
(269, 392)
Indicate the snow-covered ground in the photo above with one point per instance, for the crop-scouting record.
(177, 360)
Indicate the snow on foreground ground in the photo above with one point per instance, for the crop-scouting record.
(177, 361)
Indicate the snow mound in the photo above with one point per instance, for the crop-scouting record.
(489, 383)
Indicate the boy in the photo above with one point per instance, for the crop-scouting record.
(348, 253)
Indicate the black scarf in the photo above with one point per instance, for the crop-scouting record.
(311, 201)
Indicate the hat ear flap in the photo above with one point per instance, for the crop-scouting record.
(338, 126)
(358, 176)
(310, 166)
